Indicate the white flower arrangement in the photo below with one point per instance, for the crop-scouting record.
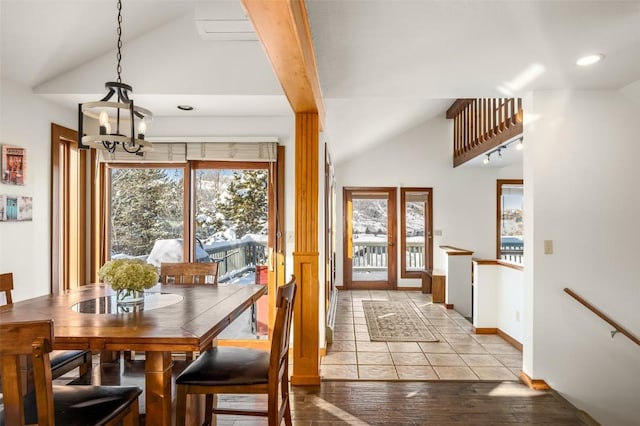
(129, 274)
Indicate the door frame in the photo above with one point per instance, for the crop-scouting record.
(392, 250)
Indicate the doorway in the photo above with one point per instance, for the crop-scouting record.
(370, 253)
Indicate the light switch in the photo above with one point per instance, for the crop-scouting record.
(548, 246)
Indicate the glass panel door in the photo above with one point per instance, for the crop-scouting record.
(146, 213)
(231, 227)
(370, 250)
(416, 231)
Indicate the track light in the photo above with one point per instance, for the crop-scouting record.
(519, 145)
(499, 149)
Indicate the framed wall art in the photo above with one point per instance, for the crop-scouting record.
(14, 165)
(16, 208)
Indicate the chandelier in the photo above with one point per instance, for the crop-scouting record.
(121, 124)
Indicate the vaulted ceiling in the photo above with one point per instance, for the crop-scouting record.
(384, 65)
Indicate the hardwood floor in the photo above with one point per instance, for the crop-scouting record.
(422, 403)
(346, 397)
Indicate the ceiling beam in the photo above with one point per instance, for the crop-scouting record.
(283, 29)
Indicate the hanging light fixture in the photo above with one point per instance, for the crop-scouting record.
(121, 124)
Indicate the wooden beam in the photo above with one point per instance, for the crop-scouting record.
(306, 258)
(283, 29)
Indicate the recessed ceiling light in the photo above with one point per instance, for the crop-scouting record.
(185, 107)
(589, 59)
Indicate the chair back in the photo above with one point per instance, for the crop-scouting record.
(279, 358)
(189, 273)
(33, 339)
(6, 286)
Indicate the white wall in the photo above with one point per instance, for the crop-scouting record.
(25, 120)
(463, 198)
(581, 172)
(498, 299)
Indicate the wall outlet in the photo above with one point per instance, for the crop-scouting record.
(548, 246)
(437, 232)
(517, 316)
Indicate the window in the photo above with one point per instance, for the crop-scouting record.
(415, 231)
(202, 211)
(510, 224)
(146, 217)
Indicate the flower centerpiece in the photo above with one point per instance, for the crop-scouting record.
(129, 278)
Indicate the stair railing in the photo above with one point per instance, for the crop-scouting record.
(617, 327)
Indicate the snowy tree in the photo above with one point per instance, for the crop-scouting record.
(244, 207)
(146, 205)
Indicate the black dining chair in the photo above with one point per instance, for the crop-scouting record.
(229, 370)
(48, 405)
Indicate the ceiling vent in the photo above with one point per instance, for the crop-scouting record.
(223, 21)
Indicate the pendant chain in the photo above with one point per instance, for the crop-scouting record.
(119, 55)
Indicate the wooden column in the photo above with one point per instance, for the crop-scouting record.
(306, 358)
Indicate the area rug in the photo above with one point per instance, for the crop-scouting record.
(391, 321)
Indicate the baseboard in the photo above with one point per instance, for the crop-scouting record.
(537, 384)
(485, 330)
(408, 288)
(448, 305)
(488, 330)
(305, 380)
(513, 342)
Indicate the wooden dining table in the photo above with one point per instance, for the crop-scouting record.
(173, 318)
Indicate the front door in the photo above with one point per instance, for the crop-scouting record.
(370, 238)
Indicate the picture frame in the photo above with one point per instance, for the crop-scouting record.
(16, 208)
(14, 165)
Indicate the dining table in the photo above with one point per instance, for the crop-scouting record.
(172, 318)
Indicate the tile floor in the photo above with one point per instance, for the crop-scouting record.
(459, 354)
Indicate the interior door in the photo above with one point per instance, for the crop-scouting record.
(370, 253)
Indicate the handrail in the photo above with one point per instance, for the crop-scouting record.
(618, 328)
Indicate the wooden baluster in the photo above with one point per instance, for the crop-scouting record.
(492, 109)
(520, 117)
(483, 120)
(474, 124)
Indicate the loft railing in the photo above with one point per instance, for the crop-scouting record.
(483, 124)
(617, 328)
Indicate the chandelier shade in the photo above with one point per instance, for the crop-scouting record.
(120, 123)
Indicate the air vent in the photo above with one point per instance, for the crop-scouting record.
(223, 20)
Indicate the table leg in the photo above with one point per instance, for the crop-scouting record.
(157, 369)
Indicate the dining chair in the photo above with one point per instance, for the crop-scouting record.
(68, 405)
(229, 370)
(189, 273)
(62, 361)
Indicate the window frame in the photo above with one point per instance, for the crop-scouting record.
(499, 184)
(428, 227)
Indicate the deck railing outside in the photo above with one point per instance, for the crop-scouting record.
(512, 252)
(236, 257)
(374, 255)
